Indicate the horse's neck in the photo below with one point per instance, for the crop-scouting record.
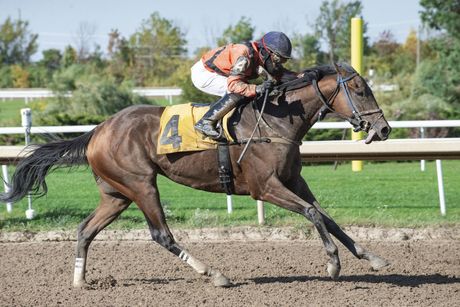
(327, 86)
(292, 114)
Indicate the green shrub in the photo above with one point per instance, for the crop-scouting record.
(94, 98)
(6, 80)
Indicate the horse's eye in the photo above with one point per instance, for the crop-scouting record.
(359, 93)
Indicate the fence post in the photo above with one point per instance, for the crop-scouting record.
(229, 204)
(260, 212)
(442, 200)
(9, 206)
(26, 121)
(356, 62)
(422, 162)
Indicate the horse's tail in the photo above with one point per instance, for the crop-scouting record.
(31, 171)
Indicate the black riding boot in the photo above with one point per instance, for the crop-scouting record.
(207, 124)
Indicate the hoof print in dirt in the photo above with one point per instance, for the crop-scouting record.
(102, 283)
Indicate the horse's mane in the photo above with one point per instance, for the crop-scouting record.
(310, 74)
(326, 70)
(320, 71)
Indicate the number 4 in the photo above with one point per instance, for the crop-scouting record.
(171, 133)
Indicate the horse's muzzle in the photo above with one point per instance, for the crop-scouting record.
(379, 132)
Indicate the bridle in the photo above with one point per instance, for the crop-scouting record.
(357, 120)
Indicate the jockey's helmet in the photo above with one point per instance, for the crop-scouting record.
(277, 43)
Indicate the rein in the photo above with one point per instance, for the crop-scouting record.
(255, 128)
(278, 138)
(359, 124)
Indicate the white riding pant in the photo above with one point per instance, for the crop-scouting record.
(208, 82)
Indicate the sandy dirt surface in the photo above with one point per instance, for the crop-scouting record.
(264, 273)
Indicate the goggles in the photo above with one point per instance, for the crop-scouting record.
(277, 59)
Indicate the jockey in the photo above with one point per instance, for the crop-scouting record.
(225, 72)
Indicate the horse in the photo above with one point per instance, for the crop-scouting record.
(121, 152)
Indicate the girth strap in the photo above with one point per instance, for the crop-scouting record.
(267, 139)
(225, 168)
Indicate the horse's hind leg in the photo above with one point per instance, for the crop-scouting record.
(359, 252)
(148, 200)
(376, 262)
(112, 203)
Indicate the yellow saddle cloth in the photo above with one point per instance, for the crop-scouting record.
(177, 132)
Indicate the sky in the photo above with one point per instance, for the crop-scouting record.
(57, 21)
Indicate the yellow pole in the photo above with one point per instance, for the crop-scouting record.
(357, 63)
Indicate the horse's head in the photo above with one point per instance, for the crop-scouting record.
(353, 100)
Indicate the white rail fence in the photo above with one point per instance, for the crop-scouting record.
(30, 94)
(407, 149)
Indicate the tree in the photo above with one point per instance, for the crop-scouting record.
(69, 57)
(51, 59)
(121, 55)
(405, 57)
(306, 52)
(6, 80)
(388, 58)
(41, 72)
(20, 76)
(334, 27)
(118, 48)
(240, 32)
(386, 44)
(17, 44)
(83, 39)
(442, 15)
(159, 49)
(95, 58)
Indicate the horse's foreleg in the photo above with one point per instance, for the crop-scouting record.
(278, 194)
(111, 205)
(359, 252)
(376, 262)
(161, 234)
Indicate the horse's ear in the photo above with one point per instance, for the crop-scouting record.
(337, 67)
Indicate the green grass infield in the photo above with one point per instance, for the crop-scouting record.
(390, 194)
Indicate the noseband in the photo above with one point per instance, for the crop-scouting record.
(359, 124)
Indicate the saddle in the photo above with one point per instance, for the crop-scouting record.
(177, 132)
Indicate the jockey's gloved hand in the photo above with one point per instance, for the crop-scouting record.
(267, 85)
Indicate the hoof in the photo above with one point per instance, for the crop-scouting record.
(220, 280)
(333, 270)
(378, 263)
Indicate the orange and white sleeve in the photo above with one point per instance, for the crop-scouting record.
(237, 82)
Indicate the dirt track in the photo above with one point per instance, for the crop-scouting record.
(276, 273)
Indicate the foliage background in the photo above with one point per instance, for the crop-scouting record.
(423, 69)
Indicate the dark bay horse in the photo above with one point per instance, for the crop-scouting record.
(122, 154)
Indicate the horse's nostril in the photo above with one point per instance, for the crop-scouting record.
(385, 131)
